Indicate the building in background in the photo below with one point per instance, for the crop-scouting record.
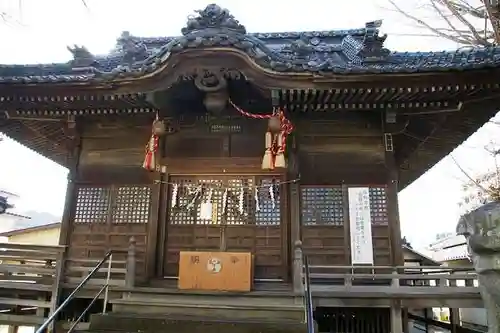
(40, 235)
(451, 250)
(8, 212)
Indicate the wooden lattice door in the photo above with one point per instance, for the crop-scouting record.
(260, 232)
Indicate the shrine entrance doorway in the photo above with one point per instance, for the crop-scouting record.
(246, 224)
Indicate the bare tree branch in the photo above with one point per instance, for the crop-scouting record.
(428, 26)
(446, 19)
(465, 23)
(466, 174)
(461, 18)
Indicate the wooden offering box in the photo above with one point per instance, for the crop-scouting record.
(221, 271)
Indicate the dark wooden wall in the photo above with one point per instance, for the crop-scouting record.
(116, 199)
(333, 155)
(113, 194)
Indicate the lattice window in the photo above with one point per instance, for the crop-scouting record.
(322, 206)
(131, 204)
(267, 215)
(184, 216)
(92, 205)
(378, 205)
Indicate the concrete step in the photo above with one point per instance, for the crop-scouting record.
(134, 323)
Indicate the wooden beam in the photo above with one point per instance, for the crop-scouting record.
(25, 302)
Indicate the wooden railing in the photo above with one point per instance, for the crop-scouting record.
(395, 276)
(28, 279)
(32, 278)
(384, 279)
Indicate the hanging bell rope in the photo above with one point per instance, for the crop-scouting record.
(279, 127)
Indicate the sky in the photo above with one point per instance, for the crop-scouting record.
(39, 31)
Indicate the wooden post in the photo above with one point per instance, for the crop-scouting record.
(426, 318)
(454, 320)
(12, 329)
(396, 317)
(159, 201)
(130, 268)
(294, 194)
(152, 236)
(40, 312)
(72, 160)
(56, 287)
(298, 269)
(395, 280)
(392, 167)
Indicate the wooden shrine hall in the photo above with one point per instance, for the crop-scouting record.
(239, 176)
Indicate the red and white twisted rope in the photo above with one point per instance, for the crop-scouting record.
(285, 124)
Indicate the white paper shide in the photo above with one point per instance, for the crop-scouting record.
(360, 225)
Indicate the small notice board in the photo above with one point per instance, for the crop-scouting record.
(221, 271)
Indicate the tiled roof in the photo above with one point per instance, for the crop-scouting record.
(358, 51)
(450, 241)
(451, 253)
(449, 248)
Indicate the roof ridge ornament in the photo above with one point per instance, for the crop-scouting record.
(212, 17)
(373, 44)
(81, 56)
(131, 48)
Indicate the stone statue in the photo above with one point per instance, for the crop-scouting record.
(481, 228)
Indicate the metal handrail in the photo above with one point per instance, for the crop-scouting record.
(68, 299)
(308, 298)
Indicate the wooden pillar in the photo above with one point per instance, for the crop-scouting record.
(295, 241)
(427, 318)
(40, 312)
(298, 269)
(454, 320)
(152, 235)
(392, 192)
(73, 142)
(163, 208)
(396, 317)
(12, 329)
(158, 202)
(72, 131)
(406, 320)
(130, 271)
(294, 194)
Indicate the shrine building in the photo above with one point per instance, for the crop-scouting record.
(222, 162)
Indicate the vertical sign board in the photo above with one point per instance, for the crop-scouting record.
(360, 225)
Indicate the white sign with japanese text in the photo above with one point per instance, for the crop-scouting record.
(360, 225)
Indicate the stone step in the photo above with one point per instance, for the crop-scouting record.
(134, 323)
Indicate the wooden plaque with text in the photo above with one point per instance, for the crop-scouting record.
(218, 271)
